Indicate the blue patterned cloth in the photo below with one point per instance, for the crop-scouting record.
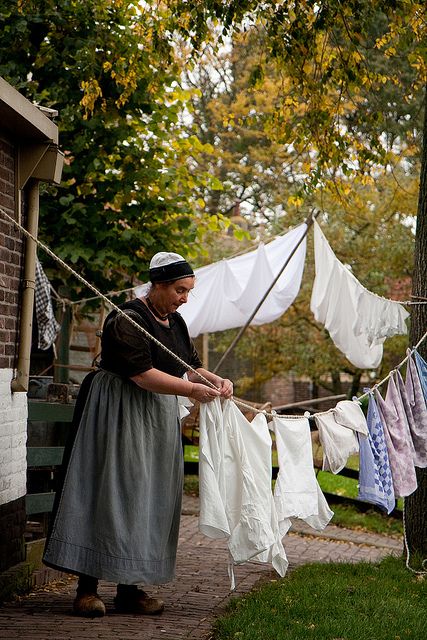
(375, 480)
(422, 372)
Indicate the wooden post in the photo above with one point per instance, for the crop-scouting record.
(205, 350)
(61, 373)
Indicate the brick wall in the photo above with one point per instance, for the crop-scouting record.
(13, 406)
(12, 521)
(11, 249)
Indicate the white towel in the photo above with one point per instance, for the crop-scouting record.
(297, 493)
(358, 321)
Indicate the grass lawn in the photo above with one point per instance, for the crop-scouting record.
(362, 601)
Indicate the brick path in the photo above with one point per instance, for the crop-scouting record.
(199, 592)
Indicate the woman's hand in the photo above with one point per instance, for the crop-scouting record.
(226, 388)
(203, 393)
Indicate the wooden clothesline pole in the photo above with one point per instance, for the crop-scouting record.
(309, 221)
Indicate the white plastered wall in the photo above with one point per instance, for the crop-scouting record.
(13, 438)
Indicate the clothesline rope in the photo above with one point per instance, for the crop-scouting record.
(162, 346)
(103, 297)
(390, 373)
(117, 293)
(122, 313)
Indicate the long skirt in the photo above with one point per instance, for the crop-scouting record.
(119, 510)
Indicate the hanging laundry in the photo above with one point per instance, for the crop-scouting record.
(47, 326)
(337, 433)
(379, 318)
(375, 479)
(422, 372)
(297, 493)
(398, 441)
(349, 414)
(213, 521)
(340, 302)
(418, 408)
(236, 472)
(227, 292)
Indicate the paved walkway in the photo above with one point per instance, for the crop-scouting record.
(198, 594)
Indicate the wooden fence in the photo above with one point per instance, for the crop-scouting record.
(43, 461)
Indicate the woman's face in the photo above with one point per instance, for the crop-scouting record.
(172, 295)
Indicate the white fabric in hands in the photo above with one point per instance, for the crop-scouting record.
(236, 499)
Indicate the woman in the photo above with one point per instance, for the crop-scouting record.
(117, 516)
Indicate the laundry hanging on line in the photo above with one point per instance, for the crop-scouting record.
(227, 292)
(375, 479)
(235, 471)
(358, 321)
(297, 493)
(399, 443)
(339, 443)
(418, 407)
(47, 325)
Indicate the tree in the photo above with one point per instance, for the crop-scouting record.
(416, 504)
(325, 48)
(128, 188)
(365, 218)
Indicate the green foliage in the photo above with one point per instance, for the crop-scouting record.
(353, 601)
(128, 186)
(367, 196)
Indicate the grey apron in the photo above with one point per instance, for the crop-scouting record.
(118, 517)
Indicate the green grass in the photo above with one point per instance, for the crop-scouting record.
(352, 518)
(362, 601)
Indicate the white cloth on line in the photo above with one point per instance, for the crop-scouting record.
(338, 442)
(349, 414)
(338, 430)
(213, 521)
(227, 292)
(379, 318)
(358, 321)
(418, 406)
(297, 493)
(236, 499)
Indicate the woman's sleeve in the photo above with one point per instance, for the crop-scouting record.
(129, 346)
(195, 361)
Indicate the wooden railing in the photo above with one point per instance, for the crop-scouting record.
(48, 458)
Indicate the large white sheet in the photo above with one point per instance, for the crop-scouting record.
(358, 321)
(227, 292)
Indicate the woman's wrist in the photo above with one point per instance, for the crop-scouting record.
(189, 394)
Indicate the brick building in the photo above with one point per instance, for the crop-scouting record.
(28, 154)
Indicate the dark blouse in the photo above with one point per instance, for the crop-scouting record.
(128, 352)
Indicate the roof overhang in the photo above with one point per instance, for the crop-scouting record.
(35, 135)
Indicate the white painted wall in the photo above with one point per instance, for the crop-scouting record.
(13, 439)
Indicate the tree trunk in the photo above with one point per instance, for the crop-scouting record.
(416, 504)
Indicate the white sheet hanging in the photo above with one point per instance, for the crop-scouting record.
(297, 493)
(358, 321)
(227, 292)
(236, 500)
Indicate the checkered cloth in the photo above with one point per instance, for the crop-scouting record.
(375, 480)
(47, 325)
(418, 409)
(422, 372)
(398, 440)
